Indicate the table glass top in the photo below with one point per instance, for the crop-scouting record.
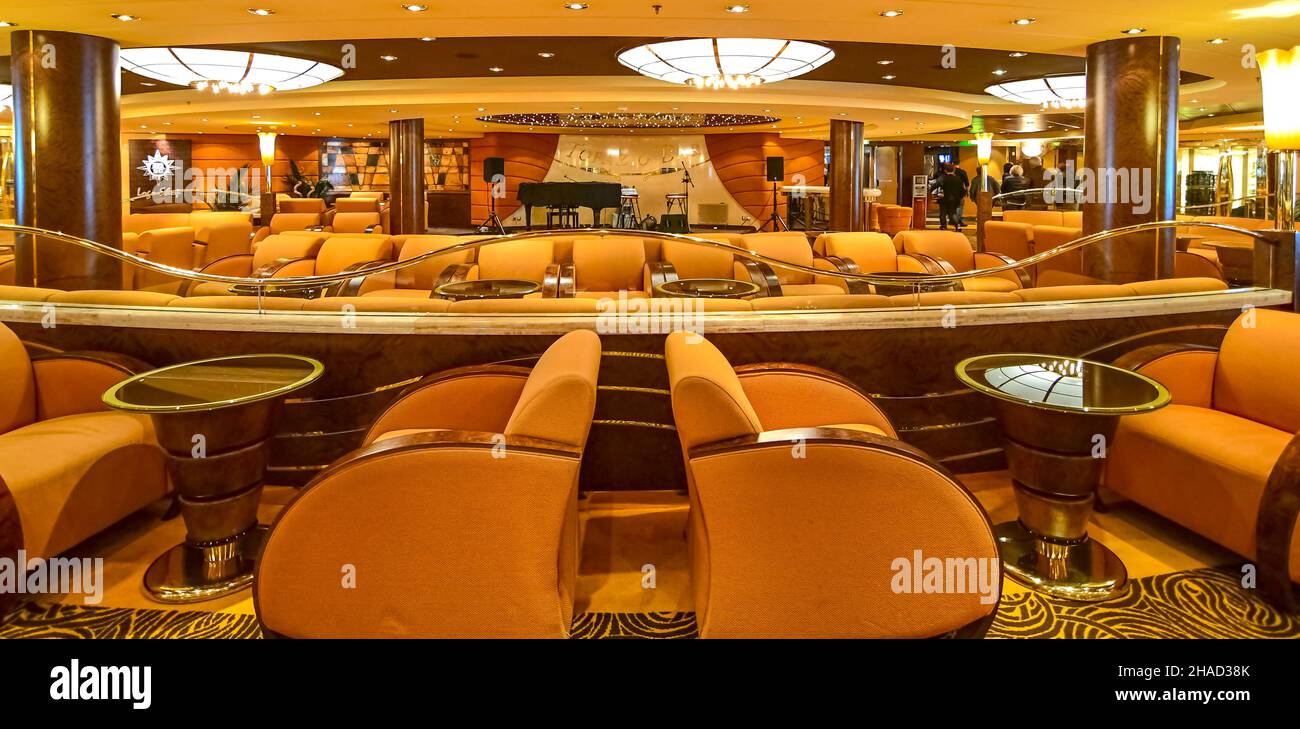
(214, 383)
(708, 288)
(489, 288)
(1062, 383)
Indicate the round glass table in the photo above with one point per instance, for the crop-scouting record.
(1057, 416)
(488, 288)
(915, 282)
(706, 288)
(215, 419)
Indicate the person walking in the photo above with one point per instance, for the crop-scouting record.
(1014, 181)
(952, 188)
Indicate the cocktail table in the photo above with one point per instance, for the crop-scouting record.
(487, 288)
(1058, 415)
(707, 288)
(215, 418)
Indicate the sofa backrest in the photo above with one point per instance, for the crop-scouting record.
(1255, 374)
(18, 395)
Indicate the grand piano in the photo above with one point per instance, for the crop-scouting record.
(569, 195)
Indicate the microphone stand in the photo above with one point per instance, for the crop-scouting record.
(687, 184)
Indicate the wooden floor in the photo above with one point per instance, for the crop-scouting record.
(624, 531)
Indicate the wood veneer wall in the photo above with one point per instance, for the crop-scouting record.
(528, 158)
(740, 161)
(232, 151)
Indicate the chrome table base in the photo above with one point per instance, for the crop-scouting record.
(187, 573)
(1086, 571)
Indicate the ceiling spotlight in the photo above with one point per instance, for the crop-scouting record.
(999, 71)
(1024, 21)
(884, 63)
(148, 83)
(392, 111)
(7, 24)
(546, 54)
(737, 8)
(416, 8)
(315, 113)
(890, 13)
(261, 11)
(1017, 54)
(1133, 31)
(896, 118)
(426, 38)
(481, 109)
(388, 58)
(889, 77)
(1217, 41)
(576, 6)
(125, 18)
(496, 69)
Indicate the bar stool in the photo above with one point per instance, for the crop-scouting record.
(629, 209)
(678, 199)
(567, 217)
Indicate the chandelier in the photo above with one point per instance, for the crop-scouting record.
(1067, 91)
(234, 72)
(725, 63)
(629, 120)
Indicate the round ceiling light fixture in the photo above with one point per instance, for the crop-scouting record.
(235, 72)
(725, 63)
(628, 120)
(1064, 91)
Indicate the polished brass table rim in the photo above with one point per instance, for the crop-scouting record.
(111, 398)
(450, 289)
(740, 289)
(1161, 399)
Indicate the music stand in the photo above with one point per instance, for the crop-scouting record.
(776, 219)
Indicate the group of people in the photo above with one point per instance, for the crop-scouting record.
(951, 186)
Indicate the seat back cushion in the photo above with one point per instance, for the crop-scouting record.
(301, 205)
(353, 222)
(951, 246)
(1009, 239)
(872, 252)
(294, 221)
(709, 403)
(18, 395)
(698, 261)
(140, 222)
(1035, 217)
(608, 264)
(274, 247)
(525, 260)
(341, 251)
(559, 397)
(791, 247)
(357, 205)
(425, 274)
(1255, 376)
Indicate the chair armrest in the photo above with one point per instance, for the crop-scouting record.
(841, 264)
(984, 259)
(376, 228)
(480, 397)
(352, 286)
(1186, 370)
(780, 392)
(240, 264)
(559, 281)
(1279, 508)
(657, 272)
(73, 383)
(758, 273)
(933, 265)
(910, 264)
(281, 267)
(259, 234)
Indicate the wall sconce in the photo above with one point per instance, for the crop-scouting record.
(266, 143)
(1280, 73)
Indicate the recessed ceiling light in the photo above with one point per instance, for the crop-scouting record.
(1024, 21)
(349, 126)
(577, 108)
(575, 6)
(7, 24)
(999, 71)
(737, 8)
(1201, 109)
(416, 8)
(890, 13)
(843, 113)
(261, 11)
(148, 83)
(897, 118)
(167, 124)
(1217, 41)
(144, 126)
(203, 120)
(546, 54)
(257, 116)
(496, 69)
(315, 113)
(125, 18)
(884, 63)
(426, 38)
(1133, 31)
(388, 58)
(889, 77)
(1017, 54)
(481, 109)
(1193, 101)
(392, 111)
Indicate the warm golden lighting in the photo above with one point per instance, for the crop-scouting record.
(984, 147)
(1280, 73)
(1277, 9)
(266, 144)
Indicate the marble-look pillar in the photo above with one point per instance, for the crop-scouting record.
(406, 177)
(847, 209)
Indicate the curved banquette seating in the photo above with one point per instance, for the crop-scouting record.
(475, 532)
(69, 467)
(802, 501)
(1224, 458)
(779, 281)
(1058, 218)
(270, 255)
(954, 253)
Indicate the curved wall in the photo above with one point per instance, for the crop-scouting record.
(528, 157)
(741, 164)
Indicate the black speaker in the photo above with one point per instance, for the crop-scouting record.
(494, 167)
(775, 169)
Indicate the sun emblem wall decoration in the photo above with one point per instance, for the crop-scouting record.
(158, 166)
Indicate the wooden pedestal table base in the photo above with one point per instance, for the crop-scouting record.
(215, 419)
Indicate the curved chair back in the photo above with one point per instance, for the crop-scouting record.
(559, 397)
(294, 221)
(947, 245)
(691, 260)
(608, 264)
(1010, 239)
(343, 250)
(302, 205)
(424, 275)
(709, 403)
(275, 247)
(789, 246)
(872, 252)
(518, 259)
(18, 396)
(353, 222)
(1255, 375)
(357, 205)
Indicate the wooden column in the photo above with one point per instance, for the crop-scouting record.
(406, 177)
(68, 162)
(1131, 136)
(846, 176)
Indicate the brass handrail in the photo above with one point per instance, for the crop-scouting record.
(291, 282)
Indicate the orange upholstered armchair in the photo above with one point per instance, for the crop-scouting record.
(683, 260)
(530, 259)
(69, 467)
(419, 280)
(952, 251)
(866, 253)
(803, 501)
(792, 247)
(1224, 459)
(458, 515)
(271, 256)
(354, 215)
(284, 222)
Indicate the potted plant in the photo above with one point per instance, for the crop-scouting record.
(304, 186)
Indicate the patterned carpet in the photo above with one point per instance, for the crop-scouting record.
(1206, 603)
